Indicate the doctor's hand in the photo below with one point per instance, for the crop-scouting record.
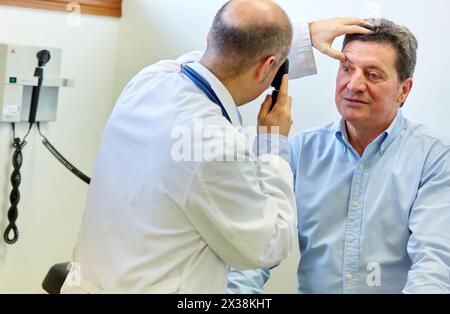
(324, 32)
(279, 119)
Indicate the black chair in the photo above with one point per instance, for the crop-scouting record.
(55, 278)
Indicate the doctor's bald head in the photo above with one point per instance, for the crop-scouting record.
(244, 32)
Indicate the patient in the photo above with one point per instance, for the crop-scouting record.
(373, 188)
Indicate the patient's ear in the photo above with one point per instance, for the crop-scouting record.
(405, 89)
(207, 38)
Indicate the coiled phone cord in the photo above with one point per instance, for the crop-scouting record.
(16, 178)
(63, 160)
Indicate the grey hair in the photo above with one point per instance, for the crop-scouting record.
(248, 45)
(399, 37)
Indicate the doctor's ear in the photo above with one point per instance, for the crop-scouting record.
(265, 68)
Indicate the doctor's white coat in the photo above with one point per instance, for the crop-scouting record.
(157, 224)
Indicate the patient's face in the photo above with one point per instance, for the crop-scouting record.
(368, 91)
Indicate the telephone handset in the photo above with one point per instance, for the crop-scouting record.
(43, 57)
(276, 84)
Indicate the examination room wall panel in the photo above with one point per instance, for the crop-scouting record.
(162, 29)
(52, 199)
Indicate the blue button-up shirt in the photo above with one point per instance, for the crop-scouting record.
(377, 223)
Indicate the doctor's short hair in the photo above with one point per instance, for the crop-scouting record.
(399, 37)
(243, 47)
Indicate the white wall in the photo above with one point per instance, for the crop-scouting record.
(154, 30)
(161, 29)
(52, 199)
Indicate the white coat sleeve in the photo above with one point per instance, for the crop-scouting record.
(301, 56)
(244, 210)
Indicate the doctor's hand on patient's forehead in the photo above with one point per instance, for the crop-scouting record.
(324, 32)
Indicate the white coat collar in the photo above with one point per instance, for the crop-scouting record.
(221, 91)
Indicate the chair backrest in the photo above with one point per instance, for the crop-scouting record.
(55, 278)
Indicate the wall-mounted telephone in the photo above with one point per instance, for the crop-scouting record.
(11, 234)
(276, 84)
(33, 99)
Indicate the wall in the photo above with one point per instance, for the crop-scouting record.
(52, 199)
(154, 30)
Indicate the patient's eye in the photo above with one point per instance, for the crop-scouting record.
(346, 67)
(374, 76)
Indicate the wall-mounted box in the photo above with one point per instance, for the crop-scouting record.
(17, 66)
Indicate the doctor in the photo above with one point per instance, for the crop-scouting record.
(162, 217)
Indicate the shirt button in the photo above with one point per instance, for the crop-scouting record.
(356, 204)
(349, 277)
(350, 238)
(362, 168)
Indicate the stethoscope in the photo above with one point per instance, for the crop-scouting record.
(205, 87)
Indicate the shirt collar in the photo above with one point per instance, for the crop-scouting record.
(340, 132)
(221, 91)
(386, 138)
(393, 131)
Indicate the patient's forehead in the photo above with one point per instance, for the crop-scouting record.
(367, 52)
